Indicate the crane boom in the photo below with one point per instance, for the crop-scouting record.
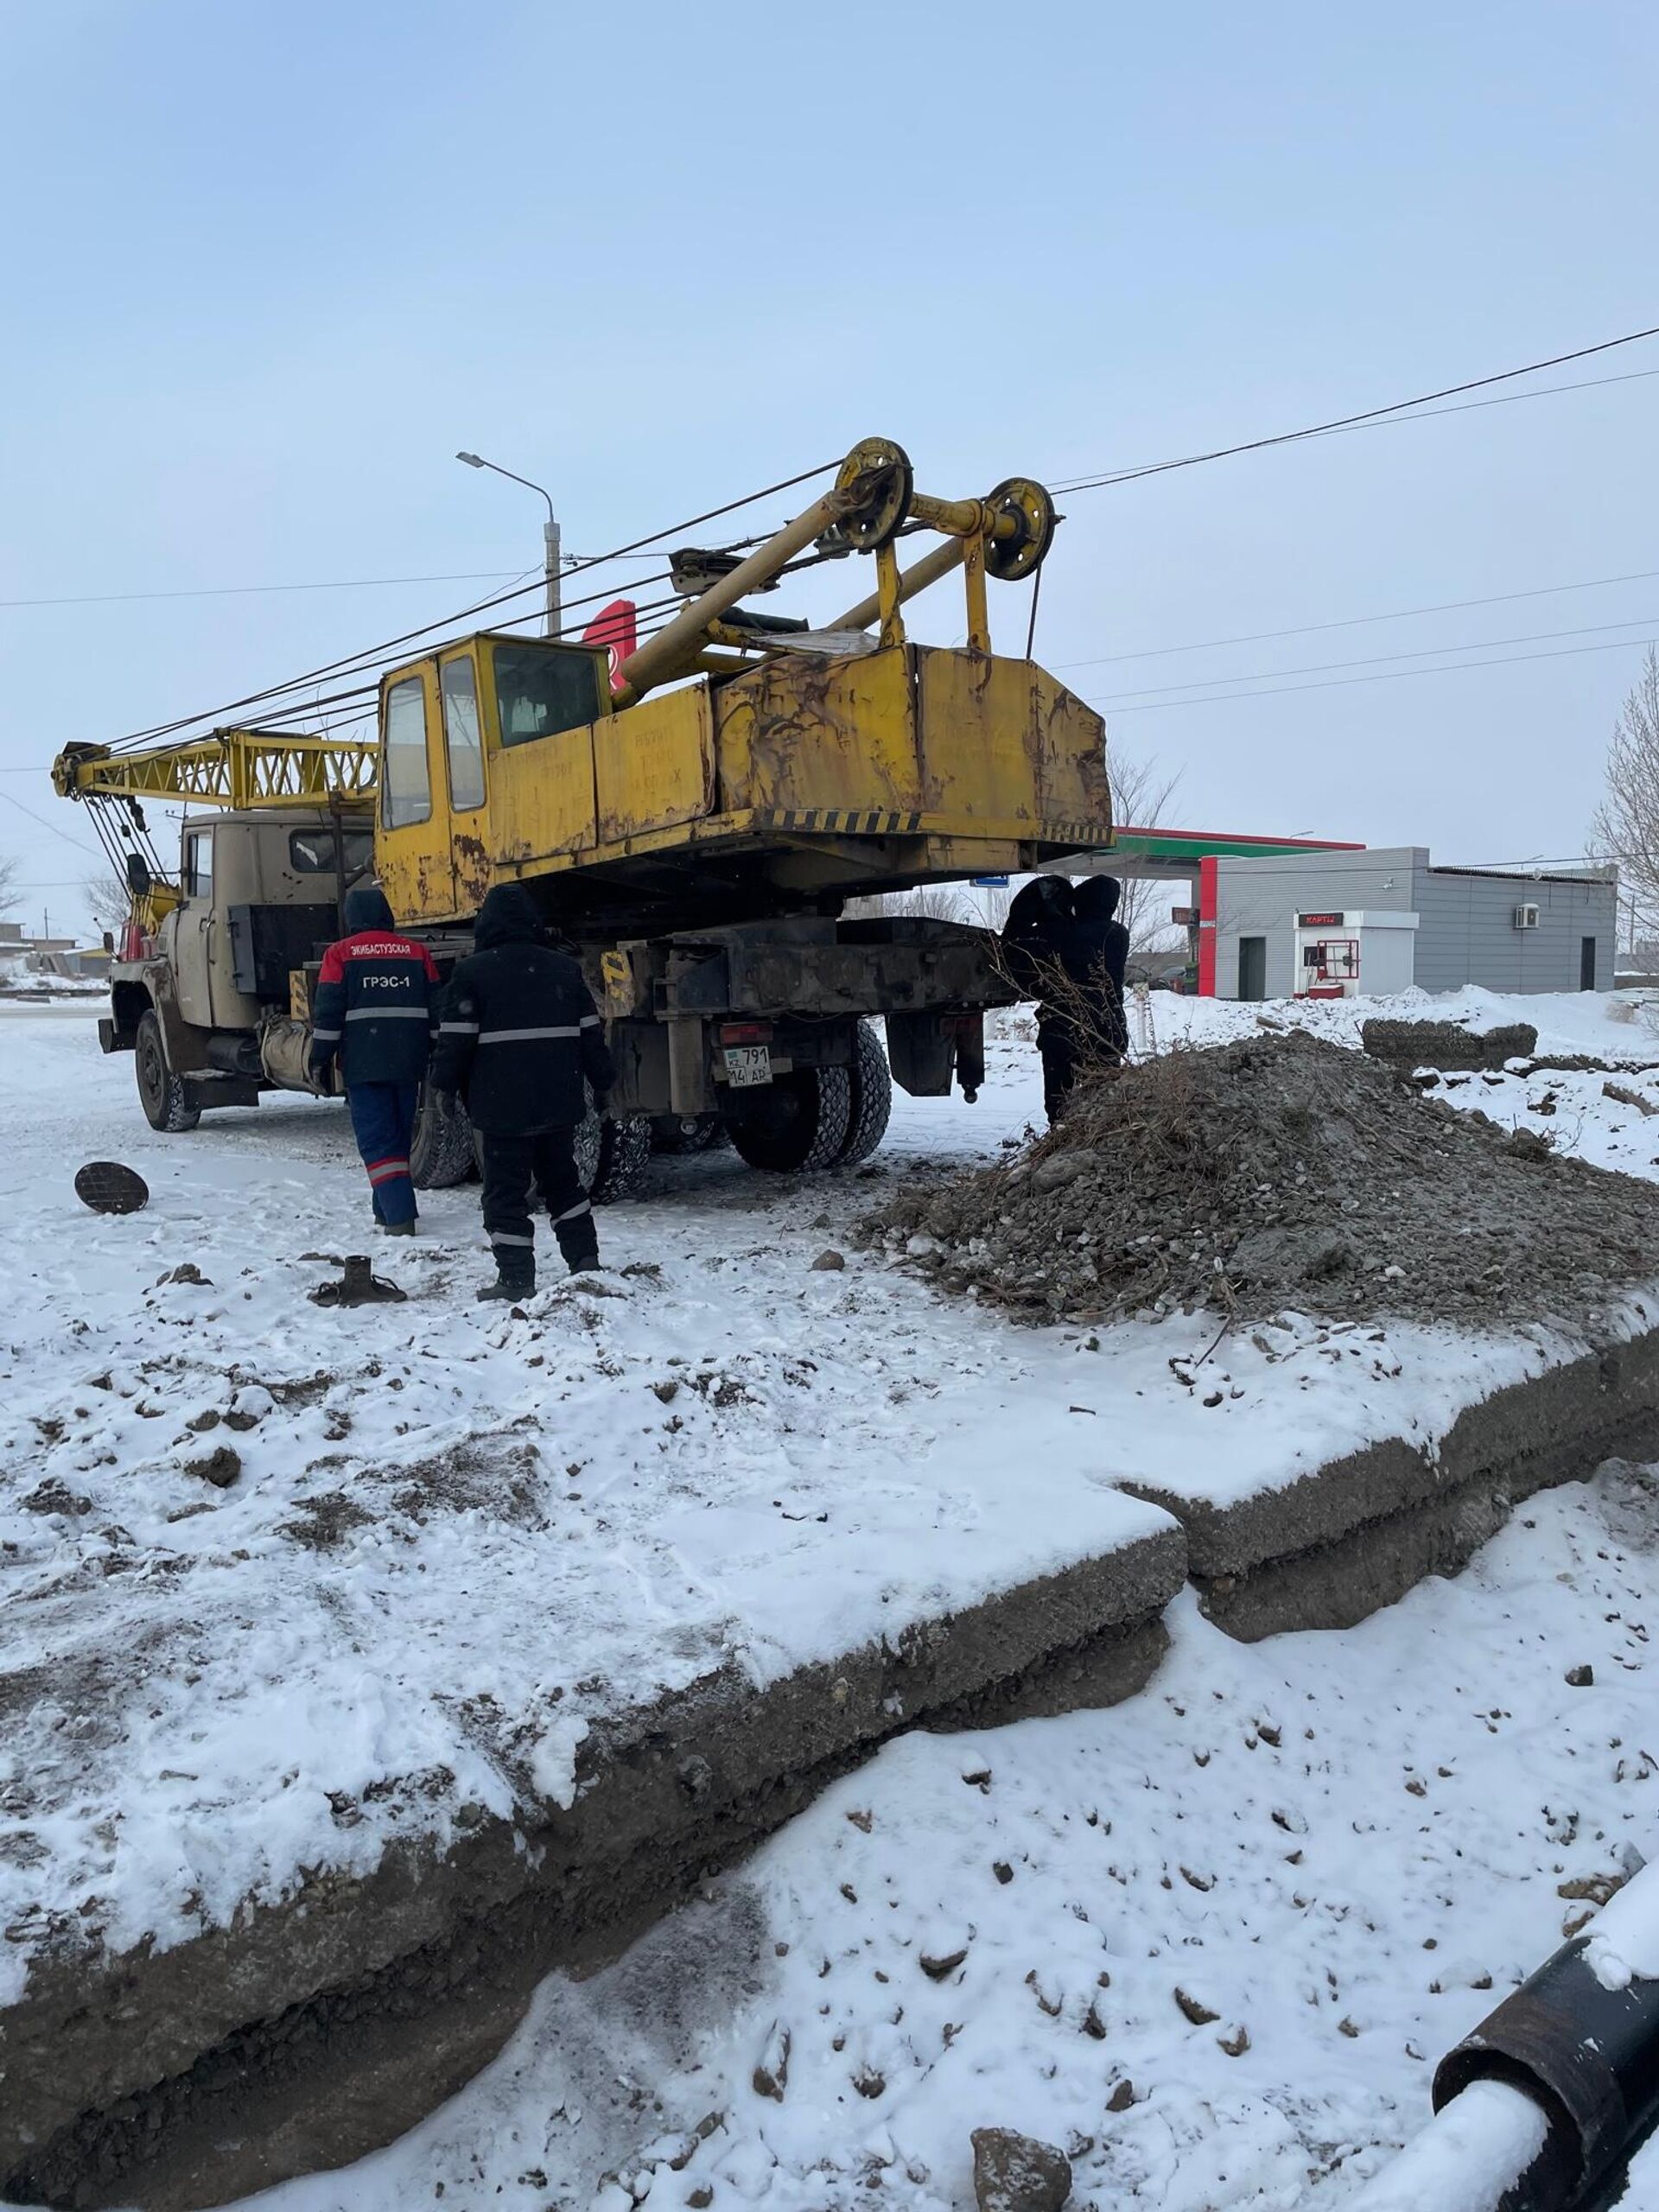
(235, 768)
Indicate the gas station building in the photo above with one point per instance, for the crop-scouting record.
(1284, 917)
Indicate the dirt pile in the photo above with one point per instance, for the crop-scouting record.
(1280, 1173)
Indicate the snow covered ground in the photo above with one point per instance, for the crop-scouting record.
(279, 1579)
(1612, 1025)
(667, 1445)
(1250, 1908)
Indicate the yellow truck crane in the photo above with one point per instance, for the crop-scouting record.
(696, 844)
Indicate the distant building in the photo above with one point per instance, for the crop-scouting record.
(24, 955)
(1378, 920)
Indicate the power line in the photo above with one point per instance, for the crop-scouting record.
(349, 661)
(1375, 660)
(1347, 421)
(1355, 622)
(246, 591)
(40, 819)
(1385, 676)
(1429, 414)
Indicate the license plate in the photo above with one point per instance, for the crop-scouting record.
(747, 1065)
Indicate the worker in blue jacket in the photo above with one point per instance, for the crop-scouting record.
(375, 1014)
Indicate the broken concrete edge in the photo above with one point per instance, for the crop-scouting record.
(1549, 1427)
(1447, 1043)
(1339, 1584)
(102, 2056)
(1579, 1063)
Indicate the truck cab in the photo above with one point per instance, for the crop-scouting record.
(204, 1001)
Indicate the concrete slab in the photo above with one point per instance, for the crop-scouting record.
(1447, 1044)
(317, 2026)
(1355, 1532)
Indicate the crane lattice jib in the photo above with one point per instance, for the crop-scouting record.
(237, 768)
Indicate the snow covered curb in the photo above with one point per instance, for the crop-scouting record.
(1383, 1455)
(434, 1954)
(428, 1954)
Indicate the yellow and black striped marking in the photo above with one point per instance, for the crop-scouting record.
(876, 822)
(849, 822)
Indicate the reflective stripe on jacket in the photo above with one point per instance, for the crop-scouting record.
(519, 1031)
(375, 1008)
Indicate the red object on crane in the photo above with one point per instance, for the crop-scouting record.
(614, 628)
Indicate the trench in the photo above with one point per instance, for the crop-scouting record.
(310, 2035)
(680, 1792)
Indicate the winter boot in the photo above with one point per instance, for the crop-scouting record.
(578, 1243)
(398, 1228)
(515, 1276)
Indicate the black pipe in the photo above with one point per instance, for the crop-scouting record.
(1588, 2055)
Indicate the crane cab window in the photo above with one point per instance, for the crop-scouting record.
(311, 852)
(541, 690)
(199, 864)
(408, 786)
(463, 740)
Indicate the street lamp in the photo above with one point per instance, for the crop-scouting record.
(549, 533)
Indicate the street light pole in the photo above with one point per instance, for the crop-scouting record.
(551, 556)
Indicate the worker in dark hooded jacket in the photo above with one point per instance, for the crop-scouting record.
(519, 1032)
(374, 1012)
(1034, 940)
(1094, 952)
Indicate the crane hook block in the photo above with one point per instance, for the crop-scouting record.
(880, 472)
(1024, 501)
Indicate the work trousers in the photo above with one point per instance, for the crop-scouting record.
(1059, 1073)
(543, 1160)
(383, 1122)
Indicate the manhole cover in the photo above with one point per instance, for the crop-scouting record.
(108, 1187)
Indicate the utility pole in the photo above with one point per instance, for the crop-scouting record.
(552, 559)
(552, 563)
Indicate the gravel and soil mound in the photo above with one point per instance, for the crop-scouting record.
(1281, 1172)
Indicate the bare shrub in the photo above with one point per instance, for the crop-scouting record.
(1625, 827)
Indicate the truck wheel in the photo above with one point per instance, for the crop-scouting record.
(163, 1094)
(611, 1154)
(683, 1133)
(872, 1099)
(624, 1155)
(440, 1151)
(799, 1122)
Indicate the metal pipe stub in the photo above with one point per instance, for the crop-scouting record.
(1589, 2056)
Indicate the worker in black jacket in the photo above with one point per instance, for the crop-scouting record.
(519, 1031)
(374, 1012)
(1035, 941)
(1094, 952)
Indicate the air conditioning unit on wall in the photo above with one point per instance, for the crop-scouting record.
(1525, 917)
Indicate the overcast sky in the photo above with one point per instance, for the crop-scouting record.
(269, 262)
